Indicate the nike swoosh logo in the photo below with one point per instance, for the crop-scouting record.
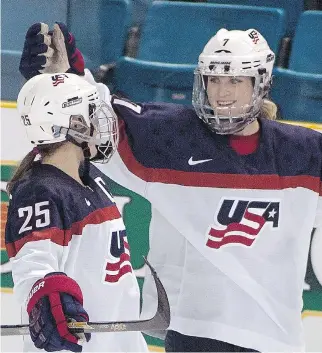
(192, 162)
(88, 203)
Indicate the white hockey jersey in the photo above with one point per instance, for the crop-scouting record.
(230, 234)
(56, 224)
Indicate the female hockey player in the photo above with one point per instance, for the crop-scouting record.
(65, 236)
(234, 198)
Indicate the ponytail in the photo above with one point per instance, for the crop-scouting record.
(23, 167)
(28, 160)
(269, 109)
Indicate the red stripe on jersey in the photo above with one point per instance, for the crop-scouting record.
(98, 216)
(218, 180)
(49, 233)
(114, 278)
(230, 239)
(116, 266)
(62, 237)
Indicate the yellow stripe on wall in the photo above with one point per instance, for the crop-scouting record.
(8, 162)
(8, 104)
(155, 348)
(314, 126)
(307, 313)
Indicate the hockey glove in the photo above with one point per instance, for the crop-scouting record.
(36, 52)
(66, 52)
(53, 301)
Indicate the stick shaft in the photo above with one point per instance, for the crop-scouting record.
(87, 327)
(160, 321)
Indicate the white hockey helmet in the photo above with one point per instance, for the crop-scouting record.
(233, 53)
(64, 106)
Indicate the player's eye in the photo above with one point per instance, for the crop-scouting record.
(235, 80)
(214, 79)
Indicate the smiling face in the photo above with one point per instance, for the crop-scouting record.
(230, 95)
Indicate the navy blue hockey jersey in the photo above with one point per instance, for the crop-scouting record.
(56, 224)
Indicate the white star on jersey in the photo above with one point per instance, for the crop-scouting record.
(272, 213)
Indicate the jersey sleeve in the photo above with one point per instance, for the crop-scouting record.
(34, 237)
(155, 138)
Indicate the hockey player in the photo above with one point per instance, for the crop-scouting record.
(64, 235)
(234, 198)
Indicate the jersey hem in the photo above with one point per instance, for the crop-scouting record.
(240, 337)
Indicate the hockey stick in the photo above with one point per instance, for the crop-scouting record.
(160, 321)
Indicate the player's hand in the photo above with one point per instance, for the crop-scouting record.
(37, 51)
(67, 58)
(53, 301)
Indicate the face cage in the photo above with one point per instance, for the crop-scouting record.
(103, 131)
(225, 125)
(107, 134)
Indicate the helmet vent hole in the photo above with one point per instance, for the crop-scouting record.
(261, 71)
(42, 128)
(33, 100)
(222, 50)
(50, 113)
(46, 103)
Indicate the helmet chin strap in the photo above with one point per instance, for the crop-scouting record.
(87, 156)
(86, 164)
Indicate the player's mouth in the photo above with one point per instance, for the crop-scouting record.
(225, 103)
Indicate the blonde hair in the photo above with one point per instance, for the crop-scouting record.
(269, 109)
(28, 160)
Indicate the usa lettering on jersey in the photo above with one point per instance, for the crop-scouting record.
(118, 262)
(239, 222)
